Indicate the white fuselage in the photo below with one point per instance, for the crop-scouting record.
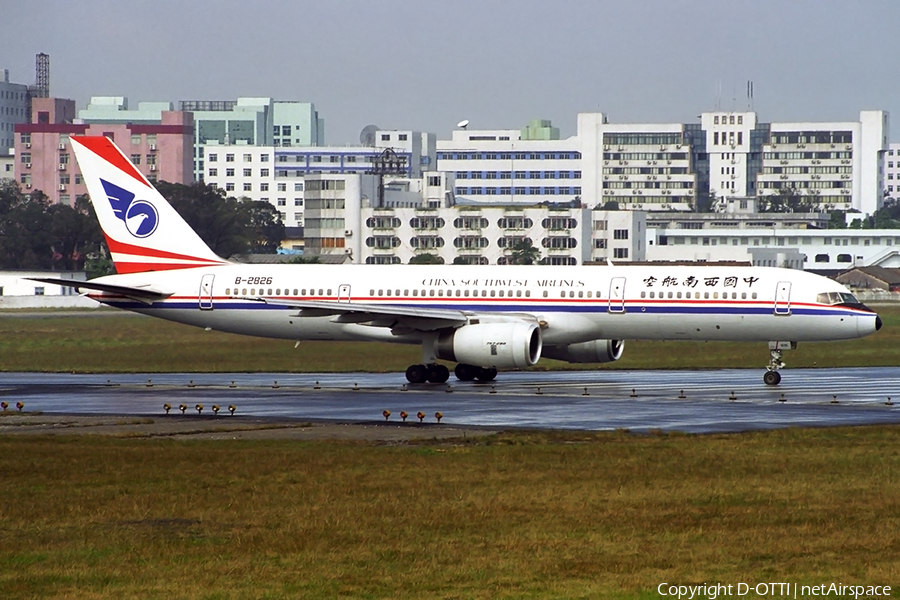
(573, 304)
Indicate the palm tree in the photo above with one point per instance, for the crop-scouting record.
(524, 253)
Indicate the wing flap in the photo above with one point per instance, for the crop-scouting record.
(146, 295)
(377, 315)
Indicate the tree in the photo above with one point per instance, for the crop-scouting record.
(837, 220)
(524, 253)
(888, 216)
(228, 226)
(426, 259)
(611, 205)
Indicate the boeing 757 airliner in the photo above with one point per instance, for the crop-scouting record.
(484, 318)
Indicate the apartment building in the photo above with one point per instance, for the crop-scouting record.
(44, 158)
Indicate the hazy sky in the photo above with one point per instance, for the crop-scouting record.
(425, 65)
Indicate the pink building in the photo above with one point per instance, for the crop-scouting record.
(44, 158)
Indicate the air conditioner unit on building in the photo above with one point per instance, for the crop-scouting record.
(849, 146)
(27, 186)
(62, 146)
(62, 187)
(27, 165)
(152, 167)
(28, 144)
(348, 232)
(348, 250)
(832, 145)
(62, 166)
(152, 147)
(678, 146)
(606, 147)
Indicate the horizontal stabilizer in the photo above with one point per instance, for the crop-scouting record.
(146, 295)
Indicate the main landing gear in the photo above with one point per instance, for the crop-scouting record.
(772, 376)
(436, 373)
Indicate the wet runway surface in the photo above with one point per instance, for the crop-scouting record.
(689, 401)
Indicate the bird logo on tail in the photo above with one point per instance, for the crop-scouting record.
(141, 218)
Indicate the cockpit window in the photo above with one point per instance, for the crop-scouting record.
(836, 298)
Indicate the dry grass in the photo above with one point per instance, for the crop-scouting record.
(539, 515)
(126, 343)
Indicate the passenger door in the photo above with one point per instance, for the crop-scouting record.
(617, 295)
(206, 292)
(783, 298)
(344, 293)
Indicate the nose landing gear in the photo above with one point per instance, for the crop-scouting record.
(776, 349)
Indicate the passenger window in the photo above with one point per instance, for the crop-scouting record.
(252, 291)
(303, 292)
(244, 293)
(227, 291)
(743, 295)
(715, 295)
(484, 293)
(278, 292)
(678, 295)
(696, 295)
(528, 293)
(653, 294)
(706, 295)
(415, 292)
(734, 295)
(581, 294)
(295, 292)
(441, 293)
(389, 292)
(545, 293)
(466, 293)
(493, 293)
(753, 296)
(670, 295)
(643, 294)
(458, 293)
(371, 292)
(431, 293)
(562, 294)
(501, 293)
(571, 294)
(321, 294)
(406, 292)
(518, 293)
(589, 294)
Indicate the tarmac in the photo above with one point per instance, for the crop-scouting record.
(709, 401)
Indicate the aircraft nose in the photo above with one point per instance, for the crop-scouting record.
(877, 323)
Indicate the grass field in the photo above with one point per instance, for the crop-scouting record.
(126, 343)
(534, 515)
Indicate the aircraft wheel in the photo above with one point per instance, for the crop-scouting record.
(438, 373)
(465, 372)
(417, 374)
(486, 374)
(772, 377)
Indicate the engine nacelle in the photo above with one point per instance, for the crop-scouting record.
(492, 345)
(596, 351)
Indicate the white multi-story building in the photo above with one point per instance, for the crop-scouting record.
(675, 166)
(418, 216)
(522, 167)
(892, 172)
(276, 174)
(13, 111)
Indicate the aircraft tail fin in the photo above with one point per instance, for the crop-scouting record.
(143, 231)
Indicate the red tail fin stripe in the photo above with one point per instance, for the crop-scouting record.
(105, 149)
(124, 268)
(123, 248)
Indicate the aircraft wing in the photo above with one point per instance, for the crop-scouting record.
(141, 294)
(401, 319)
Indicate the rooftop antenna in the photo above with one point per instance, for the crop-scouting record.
(463, 124)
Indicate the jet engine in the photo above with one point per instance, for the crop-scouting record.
(596, 351)
(492, 345)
